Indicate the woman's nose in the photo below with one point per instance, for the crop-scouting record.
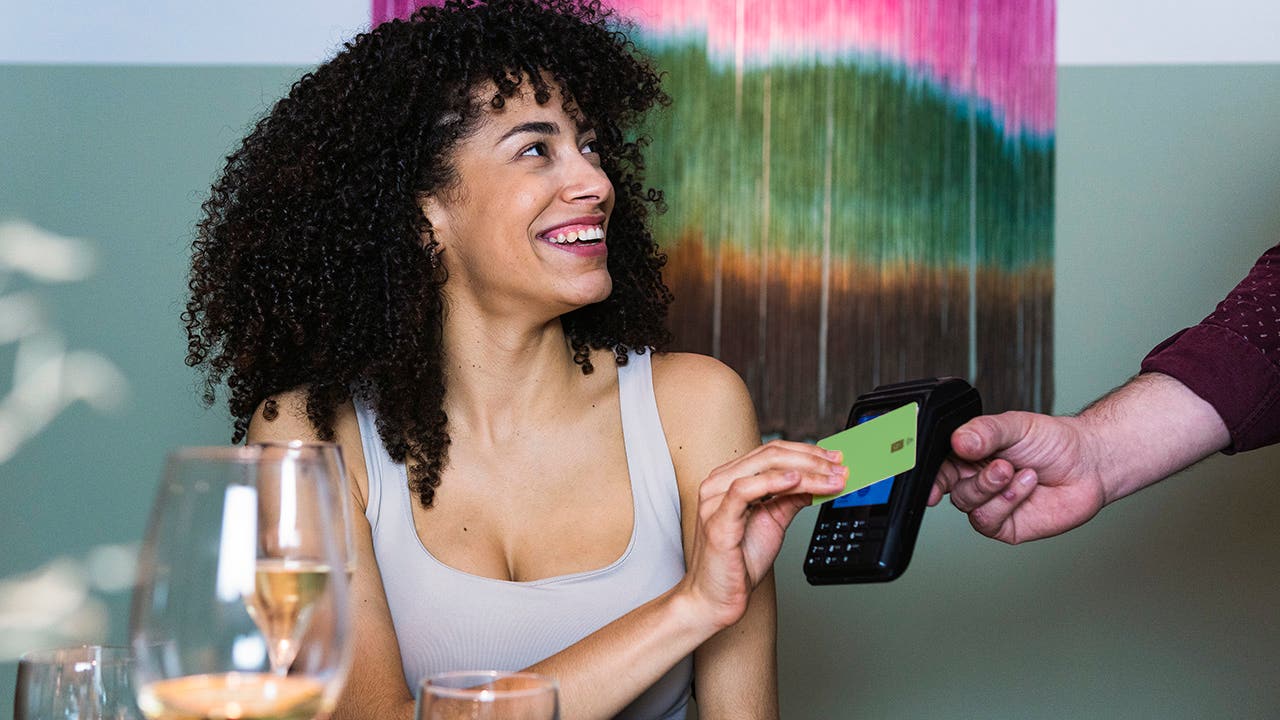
(587, 181)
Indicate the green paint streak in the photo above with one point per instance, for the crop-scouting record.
(900, 182)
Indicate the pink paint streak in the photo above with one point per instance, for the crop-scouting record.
(998, 51)
(384, 10)
(1001, 51)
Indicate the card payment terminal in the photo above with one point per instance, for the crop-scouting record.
(868, 535)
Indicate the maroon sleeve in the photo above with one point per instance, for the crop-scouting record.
(1232, 358)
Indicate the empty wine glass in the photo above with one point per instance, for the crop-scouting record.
(90, 682)
(238, 612)
(488, 695)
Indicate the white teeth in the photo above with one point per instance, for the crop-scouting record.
(584, 235)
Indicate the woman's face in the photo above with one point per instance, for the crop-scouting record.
(524, 228)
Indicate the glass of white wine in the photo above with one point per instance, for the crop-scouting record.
(328, 455)
(488, 695)
(238, 612)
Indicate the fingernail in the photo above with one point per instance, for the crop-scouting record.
(835, 455)
(836, 479)
(1027, 479)
(967, 440)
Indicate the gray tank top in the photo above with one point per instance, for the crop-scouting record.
(446, 619)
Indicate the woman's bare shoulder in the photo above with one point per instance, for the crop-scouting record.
(703, 404)
(692, 380)
(283, 417)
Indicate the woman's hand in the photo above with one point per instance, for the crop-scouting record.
(744, 508)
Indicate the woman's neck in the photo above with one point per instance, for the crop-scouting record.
(501, 374)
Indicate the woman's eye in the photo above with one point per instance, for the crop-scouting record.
(591, 146)
(536, 150)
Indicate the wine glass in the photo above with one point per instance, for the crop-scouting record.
(488, 695)
(90, 682)
(238, 612)
(330, 456)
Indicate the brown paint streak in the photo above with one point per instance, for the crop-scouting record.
(887, 324)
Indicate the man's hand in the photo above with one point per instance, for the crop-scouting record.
(1021, 476)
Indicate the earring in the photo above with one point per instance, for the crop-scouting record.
(433, 246)
(433, 253)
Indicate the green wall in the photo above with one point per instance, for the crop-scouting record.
(122, 157)
(1164, 606)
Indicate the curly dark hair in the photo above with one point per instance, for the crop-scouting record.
(313, 266)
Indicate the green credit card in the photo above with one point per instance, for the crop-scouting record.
(875, 450)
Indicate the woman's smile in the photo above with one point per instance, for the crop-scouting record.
(580, 236)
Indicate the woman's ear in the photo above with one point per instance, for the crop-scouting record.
(437, 223)
(434, 213)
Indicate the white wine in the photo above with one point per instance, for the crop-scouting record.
(242, 696)
(284, 594)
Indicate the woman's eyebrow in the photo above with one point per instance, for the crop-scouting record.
(540, 127)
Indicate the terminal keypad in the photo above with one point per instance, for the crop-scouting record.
(854, 538)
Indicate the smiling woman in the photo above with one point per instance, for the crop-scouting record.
(435, 251)
(547, 229)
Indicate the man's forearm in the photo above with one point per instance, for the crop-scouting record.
(1148, 429)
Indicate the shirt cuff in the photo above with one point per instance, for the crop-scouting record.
(1231, 375)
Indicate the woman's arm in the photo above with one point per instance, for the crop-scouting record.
(375, 685)
(708, 417)
(735, 515)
